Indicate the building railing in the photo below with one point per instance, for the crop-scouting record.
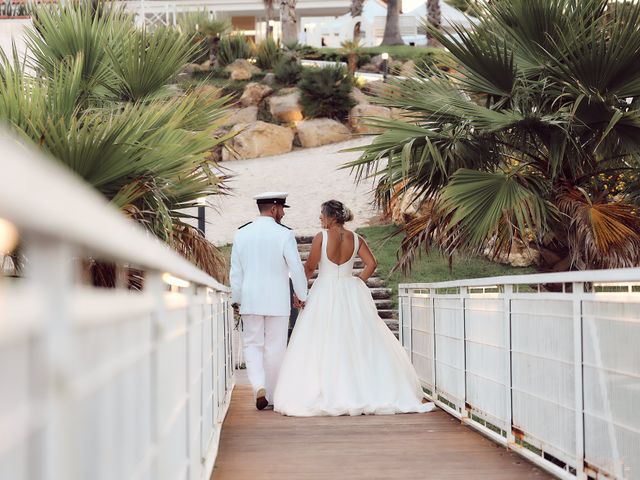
(546, 364)
(103, 383)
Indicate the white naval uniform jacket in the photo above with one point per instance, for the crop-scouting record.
(263, 257)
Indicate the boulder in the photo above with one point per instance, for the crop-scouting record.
(375, 88)
(405, 207)
(269, 79)
(191, 68)
(369, 67)
(208, 90)
(241, 115)
(206, 66)
(359, 97)
(520, 255)
(254, 93)
(321, 131)
(258, 139)
(408, 69)
(285, 107)
(378, 62)
(241, 69)
(357, 120)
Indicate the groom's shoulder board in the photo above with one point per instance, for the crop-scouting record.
(282, 225)
(242, 226)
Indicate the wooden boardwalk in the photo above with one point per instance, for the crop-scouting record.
(265, 445)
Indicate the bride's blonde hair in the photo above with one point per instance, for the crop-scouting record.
(337, 210)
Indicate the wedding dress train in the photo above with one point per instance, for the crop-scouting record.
(342, 359)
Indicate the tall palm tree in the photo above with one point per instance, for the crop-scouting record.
(532, 137)
(356, 11)
(392, 26)
(434, 19)
(289, 21)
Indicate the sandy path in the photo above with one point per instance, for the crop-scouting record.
(311, 176)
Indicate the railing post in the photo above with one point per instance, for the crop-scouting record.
(432, 305)
(577, 292)
(51, 266)
(508, 292)
(401, 300)
(411, 325)
(464, 294)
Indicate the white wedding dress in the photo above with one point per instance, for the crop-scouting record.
(342, 359)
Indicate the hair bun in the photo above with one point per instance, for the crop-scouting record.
(337, 210)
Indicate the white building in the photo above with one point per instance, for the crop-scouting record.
(335, 30)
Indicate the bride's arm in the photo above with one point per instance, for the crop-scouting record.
(314, 256)
(368, 259)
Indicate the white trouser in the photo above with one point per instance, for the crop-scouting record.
(265, 341)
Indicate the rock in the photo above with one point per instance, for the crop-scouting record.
(321, 131)
(520, 255)
(357, 122)
(375, 88)
(258, 139)
(174, 90)
(378, 62)
(408, 69)
(254, 93)
(206, 66)
(285, 107)
(191, 68)
(208, 90)
(242, 115)
(359, 97)
(269, 79)
(370, 68)
(241, 69)
(402, 114)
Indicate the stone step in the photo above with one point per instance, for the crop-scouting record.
(304, 239)
(392, 325)
(304, 248)
(384, 304)
(381, 293)
(388, 315)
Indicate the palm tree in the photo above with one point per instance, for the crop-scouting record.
(532, 137)
(392, 26)
(352, 49)
(356, 11)
(268, 6)
(289, 22)
(433, 19)
(205, 28)
(99, 105)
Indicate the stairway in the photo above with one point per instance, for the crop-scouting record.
(380, 293)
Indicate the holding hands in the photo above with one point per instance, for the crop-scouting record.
(297, 303)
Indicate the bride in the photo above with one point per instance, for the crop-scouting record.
(342, 359)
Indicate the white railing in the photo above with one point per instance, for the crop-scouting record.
(103, 383)
(547, 364)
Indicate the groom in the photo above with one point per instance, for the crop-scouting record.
(263, 257)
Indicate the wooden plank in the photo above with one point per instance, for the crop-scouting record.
(267, 445)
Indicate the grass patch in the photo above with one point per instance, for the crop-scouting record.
(428, 268)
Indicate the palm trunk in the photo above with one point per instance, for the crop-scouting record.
(268, 6)
(289, 21)
(434, 19)
(392, 27)
(356, 11)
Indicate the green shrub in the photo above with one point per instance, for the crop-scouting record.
(288, 70)
(233, 47)
(267, 54)
(325, 92)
